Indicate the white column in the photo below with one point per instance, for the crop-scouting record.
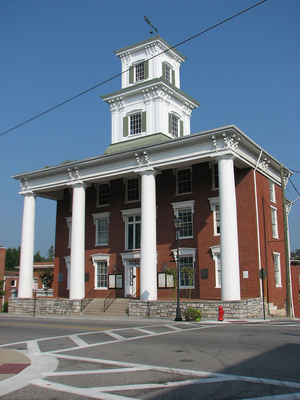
(148, 272)
(229, 233)
(27, 247)
(77, 269)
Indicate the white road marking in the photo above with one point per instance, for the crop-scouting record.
(174, 327)
(33, 347)
(77, 340)
(146, 331)
(115, 335)
(97, 371)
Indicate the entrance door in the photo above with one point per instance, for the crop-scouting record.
(132, 284)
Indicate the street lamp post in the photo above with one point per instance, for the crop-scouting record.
(177, 223)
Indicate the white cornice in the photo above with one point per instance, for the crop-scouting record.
(199, 147)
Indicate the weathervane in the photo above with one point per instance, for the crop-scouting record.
(153, 29)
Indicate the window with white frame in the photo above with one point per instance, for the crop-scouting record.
(132, 219)
(132, 189)
(274, 221)
(103, 194)
(214, 176)
(215, 208)
(277, 269)
(168, 73)
(13, 283)
(139, 71)
(69, 225)
(174, 121)
(135, 123)
(186, 267)
(184, 212)
(101, 221)
(272, 192)
(101, 263)
(184, 181)
(216, 253)
(68, 263)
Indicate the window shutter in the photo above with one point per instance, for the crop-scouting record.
(181, 128)
(131, 73)
(143, 121)
(173, 77)
(125, 126)
(170, 123)
(164, 70)
(146, 69)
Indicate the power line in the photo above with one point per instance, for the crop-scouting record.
(294, 186)
(294, 170)
(69, 99)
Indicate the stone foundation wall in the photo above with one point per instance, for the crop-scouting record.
(244, 309)
(46, 306)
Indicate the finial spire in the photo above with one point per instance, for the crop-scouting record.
(153, 29)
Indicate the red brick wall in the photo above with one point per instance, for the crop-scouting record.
(295, 275)
(2, 261)
(276, 295)
(203, 238)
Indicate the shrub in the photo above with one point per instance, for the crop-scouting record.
(192, 314)
(5, 307)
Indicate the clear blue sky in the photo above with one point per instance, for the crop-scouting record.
(245, 73)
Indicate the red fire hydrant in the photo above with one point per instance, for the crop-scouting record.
(221, 313)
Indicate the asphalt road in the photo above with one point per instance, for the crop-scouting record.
(114, 360)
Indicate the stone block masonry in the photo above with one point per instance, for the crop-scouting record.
(244, 309)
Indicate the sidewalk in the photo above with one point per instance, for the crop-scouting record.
(11, 363)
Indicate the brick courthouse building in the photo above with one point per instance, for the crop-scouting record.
(115, 232)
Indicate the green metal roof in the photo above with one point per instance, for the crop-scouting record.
(150, 82)
(152, 39)
(137, 143)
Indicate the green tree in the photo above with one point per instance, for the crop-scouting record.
(295, 255)
(51, 253)
(12, 259)
(38, 258)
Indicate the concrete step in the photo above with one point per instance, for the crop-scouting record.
(118, 307)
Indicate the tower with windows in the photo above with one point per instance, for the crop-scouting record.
(150, 104)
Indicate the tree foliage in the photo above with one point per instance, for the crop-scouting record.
(295, 255)
(12, 259)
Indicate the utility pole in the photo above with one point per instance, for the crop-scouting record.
(286, 243)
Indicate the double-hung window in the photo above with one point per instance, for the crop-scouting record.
(132, 219)
(184, 212)
(173, 125)
(274, 221)
(184, 181)
(138, 72)
(134, 124)
(186, 264)
(215, 208)
(103, 194)
(272, 192)
(277, 269)
(132, 189)
(101, 221)
(214, 176)
(101, 263)
(168, 73)
(216, 253)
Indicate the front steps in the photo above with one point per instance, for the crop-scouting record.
(113, 308)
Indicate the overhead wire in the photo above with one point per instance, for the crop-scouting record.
(83, 92)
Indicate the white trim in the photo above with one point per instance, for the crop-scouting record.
(183, 204)
(186, 252)
(97, 217)
(213, 202)
(275, 235)
(100, 257)
(277, 275)
(272, 191)
(130, 212)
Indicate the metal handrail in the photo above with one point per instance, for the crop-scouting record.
(108, 300)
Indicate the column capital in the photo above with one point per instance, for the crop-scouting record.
(226, 156)
(82, 184)
(28, 193)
